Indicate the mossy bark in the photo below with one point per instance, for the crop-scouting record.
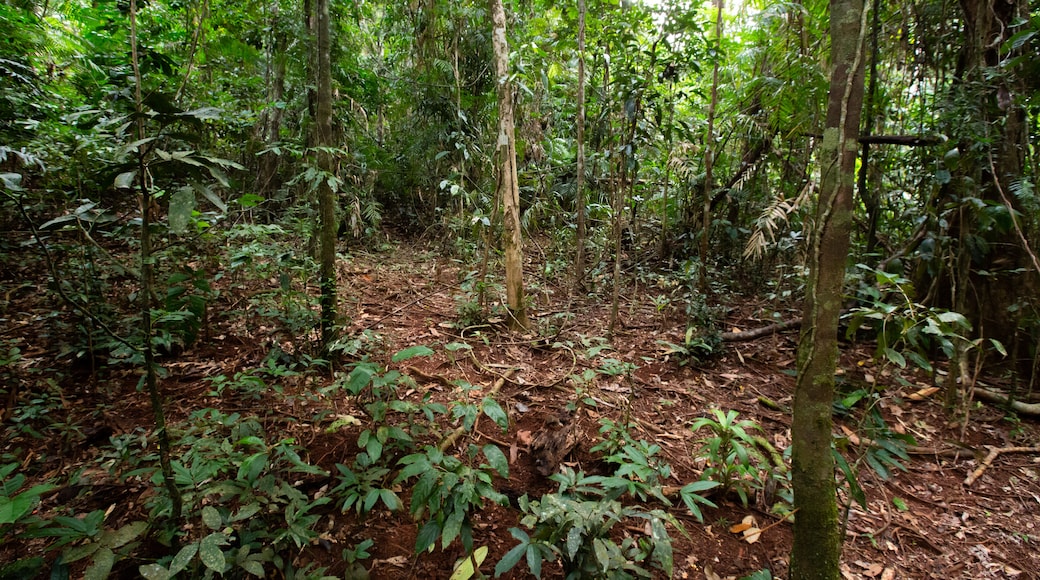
(817, 543)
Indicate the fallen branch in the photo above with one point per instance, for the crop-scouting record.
(760, 332)
(998, 399)
(994, 452)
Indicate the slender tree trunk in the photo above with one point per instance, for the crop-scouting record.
(817, 542)
(326, 196)
(272, 117)
(508, 186)
(151, 378)
(709, 149)
(579, 195)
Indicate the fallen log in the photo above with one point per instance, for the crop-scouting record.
(760, 332)
(998, 399)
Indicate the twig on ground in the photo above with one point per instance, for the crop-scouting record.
(994, 452)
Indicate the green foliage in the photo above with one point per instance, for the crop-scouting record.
(695, 349)
(16, 506)
(574, 526)
(731, 453)
(447, 490)
(86, 538)
(906, 329)
(885, 452)
(242, 495)
(362, 489)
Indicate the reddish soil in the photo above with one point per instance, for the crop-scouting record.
(924, 522)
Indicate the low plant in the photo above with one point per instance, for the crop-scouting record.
(243, 503)
(574, 526)
(364, 486)
(731, 453)
(696, 348)
(639, 472)
(87, 538)
(447, 490)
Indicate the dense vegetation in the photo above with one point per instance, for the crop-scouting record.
(177, 169)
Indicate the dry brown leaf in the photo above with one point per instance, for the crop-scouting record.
(737, 528)
(524, 437)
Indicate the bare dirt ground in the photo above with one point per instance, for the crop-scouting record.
(924, 522)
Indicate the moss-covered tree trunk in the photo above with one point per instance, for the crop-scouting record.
(326, 196)
(817, 542)
(508, 187)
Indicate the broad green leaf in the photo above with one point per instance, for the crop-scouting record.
(210, 194)
(511, 559)
(390, 499)
(253, 567)
(125, 180)
(183, 558)
(101, 566)
(13, 509)
(182, 203)
(211, 517)
(153, 572)
(534, 560)
(211, 554)
(496, 459)
(427, 537)
(126, 534)
(412, 352)
(452, 527)
(495, 412)
(895, 356)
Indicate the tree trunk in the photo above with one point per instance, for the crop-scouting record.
(272, 116)
(323, 139)
(508, 187)
(817, 543)
(579, 195)
(151, 376)
(709, 150)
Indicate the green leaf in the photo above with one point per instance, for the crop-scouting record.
(100, 567)
(253, 567)
(182, 203)
(511, 559)
(153, 572)
(126, 534)
(412, 352)
(452, 527)
(390, 500)
(496, 459)
(183, 558)
(211, 517)
(895, 357)
(427, 536)
(495, 412)
(211, 554)
(13, 509)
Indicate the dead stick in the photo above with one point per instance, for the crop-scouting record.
(992, 456)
